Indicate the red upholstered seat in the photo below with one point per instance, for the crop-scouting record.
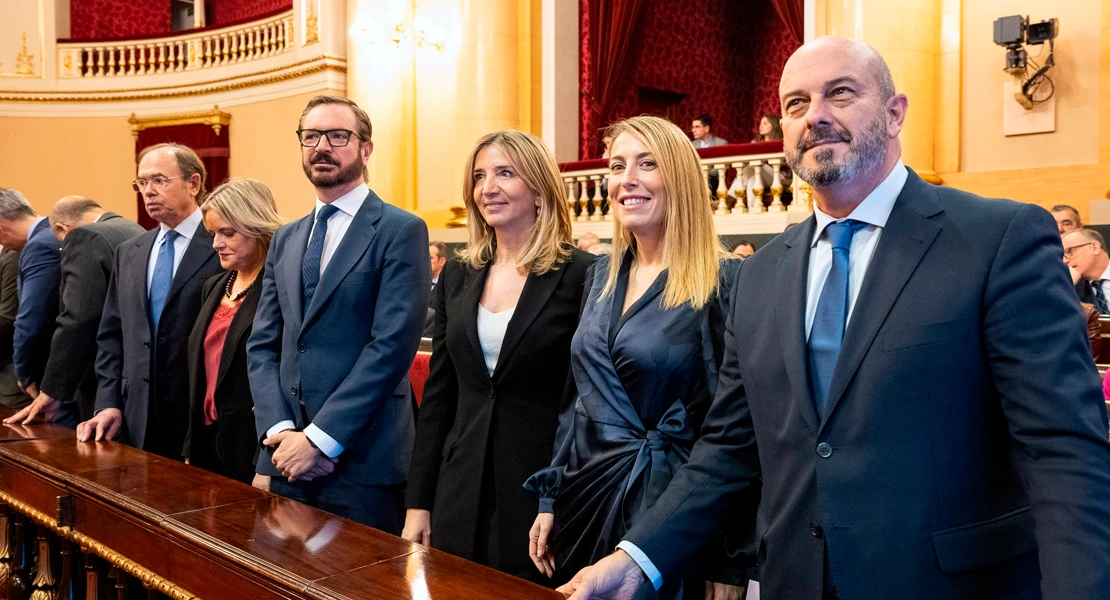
(418, 374)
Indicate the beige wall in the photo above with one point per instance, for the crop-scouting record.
(1076, 75)
(47, 158)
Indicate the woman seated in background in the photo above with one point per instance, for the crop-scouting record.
(645, 360)
(242, 217)
(505, 311)
(769, 131)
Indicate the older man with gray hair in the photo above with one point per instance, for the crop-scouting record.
(37, 286)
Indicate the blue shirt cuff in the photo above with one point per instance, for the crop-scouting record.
(547, 505)
(323, 441)
(648, 567)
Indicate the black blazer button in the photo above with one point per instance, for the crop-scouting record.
(146, 344)
(301, 348)
(824, 450)
(293, 390)
(146, 380)
(816, 530)
(491, 394)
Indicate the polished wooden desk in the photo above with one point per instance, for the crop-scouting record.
(187, 533)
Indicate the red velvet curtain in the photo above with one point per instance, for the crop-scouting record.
(792, 12)
(212, 148)
(608, 28)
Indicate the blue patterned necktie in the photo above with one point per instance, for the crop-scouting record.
(310, 266)
(1100, 297)
(163, 277)
(827, 332)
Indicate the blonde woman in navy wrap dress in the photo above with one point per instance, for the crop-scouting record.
(645, 362)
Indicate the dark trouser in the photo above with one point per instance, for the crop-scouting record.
(379, 506)
(68, 415)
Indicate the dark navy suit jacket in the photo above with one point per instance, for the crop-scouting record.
(346, 355)
(40, 273)
(964, 450)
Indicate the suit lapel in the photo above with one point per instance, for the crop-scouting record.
(537, 291)
(240, 323)
(288, 275)
(474, 281)
(793, 268)
(144, 245)
(198, 252)
(350, 250)
(907, 236)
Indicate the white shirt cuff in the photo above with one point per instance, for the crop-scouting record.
(648, 567)
(323, 441)
(280, 427)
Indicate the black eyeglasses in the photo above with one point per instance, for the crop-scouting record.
(310, 138)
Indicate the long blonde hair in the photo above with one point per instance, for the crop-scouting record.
(550, 242)
(248, 207)
(691, 249)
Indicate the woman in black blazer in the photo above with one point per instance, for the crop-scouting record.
(242, 217)
(505, 311)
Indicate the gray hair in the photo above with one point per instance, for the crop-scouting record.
(14, 205)
(72, 209)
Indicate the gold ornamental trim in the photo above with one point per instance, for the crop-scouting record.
(236, 83)
(215, 118)
(87, 544)
(24, 61)
(311, 25)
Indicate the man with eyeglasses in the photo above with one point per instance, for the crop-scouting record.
(1085, 253)
(152, 303)
(37, 287)
(344, 296)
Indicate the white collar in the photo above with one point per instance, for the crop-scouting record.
(875, 208)
(350, 202)
(186, 228)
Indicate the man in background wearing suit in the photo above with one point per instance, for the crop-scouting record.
(1086, 257)
(37, 285)
(437, 257)
(913, 385)
(343, 300)
(153, 299)
(89, 238)
(10, 394)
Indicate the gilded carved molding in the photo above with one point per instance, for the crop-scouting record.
(311, 24)
(214, 118)
(24, 61)
(87, 544)
(284, 73)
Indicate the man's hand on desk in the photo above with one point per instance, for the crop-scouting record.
(42, 408)
(297, 458)
(616, 577)
(104, 426)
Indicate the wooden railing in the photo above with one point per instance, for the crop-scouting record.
(729, 169)
(205, 50)
(103, 521)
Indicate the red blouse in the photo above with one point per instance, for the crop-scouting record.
(213, 351)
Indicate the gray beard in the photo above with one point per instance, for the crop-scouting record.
(865, 152)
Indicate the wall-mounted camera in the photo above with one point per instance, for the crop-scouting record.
(1016, 32)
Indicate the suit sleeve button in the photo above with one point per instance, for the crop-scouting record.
(824, 450)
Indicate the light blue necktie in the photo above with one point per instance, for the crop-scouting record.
(310, 265)
(163, 277)
(827, 332)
